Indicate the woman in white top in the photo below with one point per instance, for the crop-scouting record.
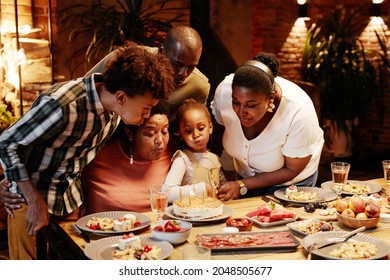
(271, 130)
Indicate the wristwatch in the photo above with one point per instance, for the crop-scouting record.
(243, 188)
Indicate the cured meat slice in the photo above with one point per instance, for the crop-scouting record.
(244, 240)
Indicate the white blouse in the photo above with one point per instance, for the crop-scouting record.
(294, 131)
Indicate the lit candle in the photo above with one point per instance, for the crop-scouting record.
(214, 194)
(180, 194)
(203, 194)
(189, 199)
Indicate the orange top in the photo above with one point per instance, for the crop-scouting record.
(111, 183)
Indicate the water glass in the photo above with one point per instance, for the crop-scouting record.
(158, 195)
(192, 252)
(340, 172)
(386, 174)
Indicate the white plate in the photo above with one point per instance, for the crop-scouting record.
(102, 249)
(322, 195)
(227, 212)
(383, 248)
(294, 227)
(374, 188)
(384, 218)
(82, 222)
(271, 224)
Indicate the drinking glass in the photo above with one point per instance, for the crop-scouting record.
(386, 174)
(340, 172)
(158, 199)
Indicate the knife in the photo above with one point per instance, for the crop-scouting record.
(81, 233)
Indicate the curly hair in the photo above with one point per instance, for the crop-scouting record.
(254, 78)
(135, 70)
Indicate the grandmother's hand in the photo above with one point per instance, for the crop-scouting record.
(229, 190)
(11, 200)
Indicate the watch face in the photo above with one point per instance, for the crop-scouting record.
(243, 190)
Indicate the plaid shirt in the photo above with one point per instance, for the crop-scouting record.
(61, 133)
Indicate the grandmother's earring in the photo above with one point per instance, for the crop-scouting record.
(271, 106)
(131, 151)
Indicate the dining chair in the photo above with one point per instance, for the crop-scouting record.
(53, 243)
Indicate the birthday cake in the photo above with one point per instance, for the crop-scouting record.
(197, 207)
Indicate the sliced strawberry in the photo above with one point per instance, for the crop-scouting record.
(168, 223)
(159, 228)
(176, 228)
(136, 224)
(168, 228)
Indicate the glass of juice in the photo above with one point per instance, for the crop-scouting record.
(340, 172)
(158, 195)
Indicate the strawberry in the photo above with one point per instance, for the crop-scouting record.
(176, 228)
(168, 228)
(136, 224)
(159, 228)
(168, 223)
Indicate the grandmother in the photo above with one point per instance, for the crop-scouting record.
(134, 158)
(271, 130)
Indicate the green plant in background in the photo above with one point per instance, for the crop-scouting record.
(6, 117)
(335, 60)
(100, 28)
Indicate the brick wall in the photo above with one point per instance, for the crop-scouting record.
(276, 30)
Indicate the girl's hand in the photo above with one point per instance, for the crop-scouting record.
(229, 190)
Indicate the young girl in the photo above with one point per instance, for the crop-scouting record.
(194, 164)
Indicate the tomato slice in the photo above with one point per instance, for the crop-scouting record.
(147, 248)
(136, 224)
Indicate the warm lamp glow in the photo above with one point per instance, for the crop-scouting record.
(301, 2)
(20, 56)
(376, 22)
(26, 29)
(377, 1)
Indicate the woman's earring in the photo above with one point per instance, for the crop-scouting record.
(131, 150)
(271, 106)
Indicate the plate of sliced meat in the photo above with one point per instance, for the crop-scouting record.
(272, 240)
(268, 215)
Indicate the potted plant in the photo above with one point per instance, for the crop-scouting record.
(336, 61)
(97, 29)
(6, 118)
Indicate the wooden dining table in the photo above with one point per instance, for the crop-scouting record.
(240, 208)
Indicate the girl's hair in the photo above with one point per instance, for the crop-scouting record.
(254, 78)
(190, 104)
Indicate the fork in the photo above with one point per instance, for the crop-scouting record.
(330, 241)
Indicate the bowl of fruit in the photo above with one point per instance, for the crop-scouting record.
(243, 224)
(173, 231)
(354, 212)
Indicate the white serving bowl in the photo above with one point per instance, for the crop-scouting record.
(173, 237)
